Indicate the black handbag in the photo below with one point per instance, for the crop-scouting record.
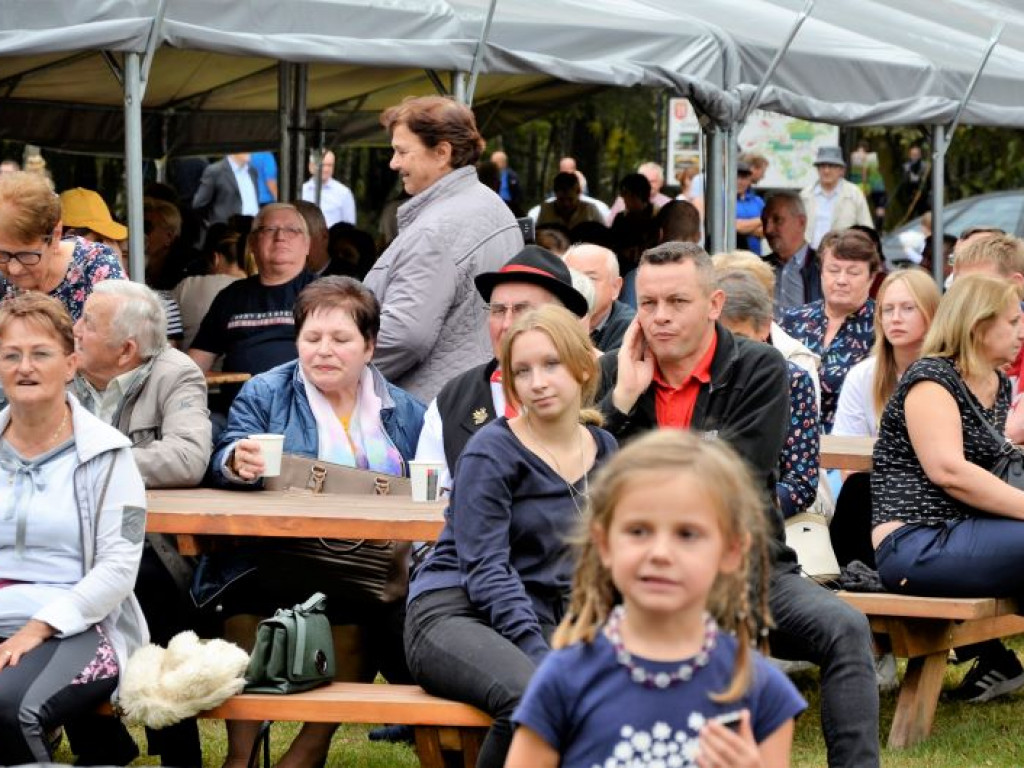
(294, 650)
(1009, 465)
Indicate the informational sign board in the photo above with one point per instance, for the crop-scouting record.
(684, 146)
(789, 143)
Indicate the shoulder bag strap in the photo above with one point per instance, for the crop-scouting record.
(999, 438)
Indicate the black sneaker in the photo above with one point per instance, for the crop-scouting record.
(395, 734)
(989, 677)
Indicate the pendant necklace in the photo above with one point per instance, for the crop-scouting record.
(578, 498)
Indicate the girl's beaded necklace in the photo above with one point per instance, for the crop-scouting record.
(661, 680)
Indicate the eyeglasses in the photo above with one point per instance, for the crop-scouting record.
(25, 258)
(498, 311)
(37, 356)
(288, 233)
(905, 310)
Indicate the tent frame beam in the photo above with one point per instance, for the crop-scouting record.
(478, 55)
(776, 60)
(942, 138)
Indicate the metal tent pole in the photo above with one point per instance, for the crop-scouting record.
(133, 165)
(729, 186)
(284, 113)
(136, 73)
(939, 146)
(714, 215)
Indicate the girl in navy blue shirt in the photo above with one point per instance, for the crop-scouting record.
(655, 654)
(483, 605)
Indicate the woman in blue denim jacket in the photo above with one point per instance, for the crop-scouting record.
(330, 404)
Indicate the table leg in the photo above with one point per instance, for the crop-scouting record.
(919, 696)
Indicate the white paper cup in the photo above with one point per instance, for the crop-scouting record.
(271, 447)
(426, 479)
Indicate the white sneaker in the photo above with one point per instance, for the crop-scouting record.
(885, 673)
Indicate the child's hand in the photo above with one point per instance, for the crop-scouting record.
(720, 747)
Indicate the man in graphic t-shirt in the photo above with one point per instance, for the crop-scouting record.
(250, 322)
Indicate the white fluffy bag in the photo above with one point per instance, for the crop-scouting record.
(161, 687)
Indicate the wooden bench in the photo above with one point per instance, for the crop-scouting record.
(438, 723)
(923, 630)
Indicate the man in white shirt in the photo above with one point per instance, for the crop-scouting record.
(336, 200)
(832, 202)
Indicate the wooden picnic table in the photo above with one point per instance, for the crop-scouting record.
(216, 378)
(849, 453)
(210, 512)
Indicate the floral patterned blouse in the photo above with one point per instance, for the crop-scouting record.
(91, 263)
(850, 345)
(797, 486)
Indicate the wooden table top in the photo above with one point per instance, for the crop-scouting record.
(215, 378)
(849, 453)
(206, 511)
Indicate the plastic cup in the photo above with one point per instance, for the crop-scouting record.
(426, 479)
(271, 447)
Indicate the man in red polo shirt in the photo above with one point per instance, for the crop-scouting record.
(679, 368)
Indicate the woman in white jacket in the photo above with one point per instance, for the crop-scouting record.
(72, 523)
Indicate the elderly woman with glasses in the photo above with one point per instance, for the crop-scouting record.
(33, 257)
(72, 522)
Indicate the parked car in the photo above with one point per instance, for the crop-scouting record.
(1004, 210)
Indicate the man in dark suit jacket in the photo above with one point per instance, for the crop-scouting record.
(532, 278)
(797, 273)
(227, 188)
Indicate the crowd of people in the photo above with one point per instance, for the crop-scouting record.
(626, 425)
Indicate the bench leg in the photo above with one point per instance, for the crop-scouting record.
(919, 695)
(428, 747)
(472, 739)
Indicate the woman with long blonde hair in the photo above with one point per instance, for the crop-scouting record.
(906, 303)
(944, 524)
(484, 604)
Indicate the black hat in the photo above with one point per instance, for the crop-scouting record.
(537, 266)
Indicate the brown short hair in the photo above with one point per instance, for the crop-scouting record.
(851, 245)
(435, 119)
(29, 208)
(340, 292)
(40, 310)
(675, 252)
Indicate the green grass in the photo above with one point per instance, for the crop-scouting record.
(964, 736)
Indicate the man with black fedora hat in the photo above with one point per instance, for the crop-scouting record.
(532, 278)
(832, 202)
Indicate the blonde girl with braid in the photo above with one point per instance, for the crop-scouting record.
(654, 659)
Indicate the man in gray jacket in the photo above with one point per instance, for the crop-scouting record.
(130, 378)
(433, 322)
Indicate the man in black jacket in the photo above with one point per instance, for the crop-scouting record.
(679, 368)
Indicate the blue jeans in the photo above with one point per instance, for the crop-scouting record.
(453, 652)
(976, 557)
(812, 624)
